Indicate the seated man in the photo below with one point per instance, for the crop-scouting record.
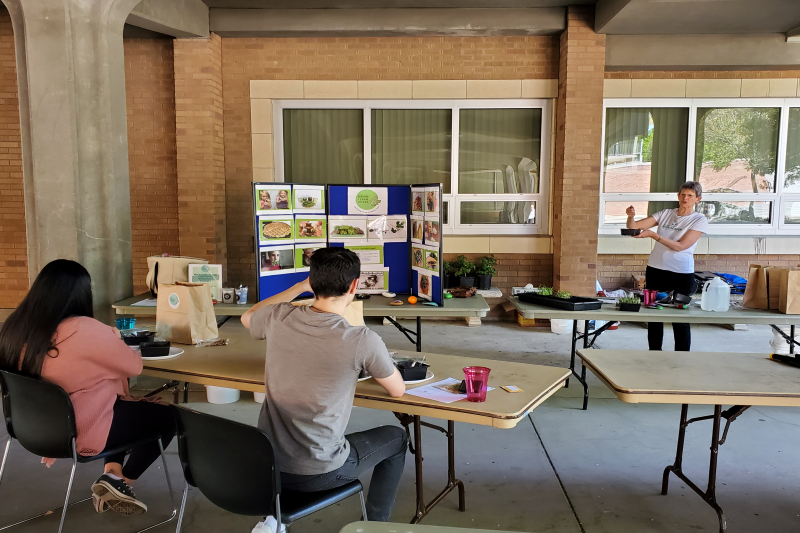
(313, 361)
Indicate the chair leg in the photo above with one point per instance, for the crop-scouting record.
(171, 497)
(69, 486)
(363, 506)
(5, 456)
(183, 506)
(278, 512)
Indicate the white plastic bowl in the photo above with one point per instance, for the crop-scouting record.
(221, 394)
(259, 397)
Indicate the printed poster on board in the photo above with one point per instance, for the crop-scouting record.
(302, 255)
(368, 254)
(273, 199)
(274, 260)
(388, 228)
(373, 280)
(309, 198)
(417, 229)
(367, 201)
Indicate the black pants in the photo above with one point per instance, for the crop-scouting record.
(132, 420)
(666, 281)
(382, 450)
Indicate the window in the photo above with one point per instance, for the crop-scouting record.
(733, 148)
(490, 168)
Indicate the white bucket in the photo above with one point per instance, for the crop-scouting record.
(779, 344)
(221, 394)
(561, 327)
(259, 397)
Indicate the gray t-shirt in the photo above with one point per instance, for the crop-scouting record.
(312, 366)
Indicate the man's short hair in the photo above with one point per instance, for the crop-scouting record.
(332, 271)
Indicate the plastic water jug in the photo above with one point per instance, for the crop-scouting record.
(716, 296)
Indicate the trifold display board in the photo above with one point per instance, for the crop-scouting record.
(394, 229)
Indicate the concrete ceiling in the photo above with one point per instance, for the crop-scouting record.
(382, 4)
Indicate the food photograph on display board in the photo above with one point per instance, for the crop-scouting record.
(373, 281)
(432, 200)
(308, 198)
(347, 228)
(418, 257)
(270, 200)
(417, 200)
(432, 260)
(276, 260)
(431, 231)
(309, 228)
(424, 286)
(302, 256)
(274, 230)
(417, 229)
(388, 228)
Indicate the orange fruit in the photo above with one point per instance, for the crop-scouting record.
(412, 299)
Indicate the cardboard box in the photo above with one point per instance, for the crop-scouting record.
(211, 274)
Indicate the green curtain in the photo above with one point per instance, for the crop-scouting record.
(411, 146)
(499, 151)
(669, 146)
(792, 182)
(323, 146)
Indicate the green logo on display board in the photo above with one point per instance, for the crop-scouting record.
(367, 200)
(174, 301)
(204, 268)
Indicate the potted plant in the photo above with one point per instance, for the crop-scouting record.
(484, 271)
(463, 268)
(629, 303)
(450, 279)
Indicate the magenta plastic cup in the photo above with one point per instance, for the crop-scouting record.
(646, 295)
(477, 378)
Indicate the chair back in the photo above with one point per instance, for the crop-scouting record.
(232, 464)
(39, 415)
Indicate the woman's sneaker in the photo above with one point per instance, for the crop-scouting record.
(117, 495)
(99, 505)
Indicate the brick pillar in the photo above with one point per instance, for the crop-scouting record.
(198, 128)
(13, 244)
(579, 113)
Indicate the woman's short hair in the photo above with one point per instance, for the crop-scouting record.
(694, 186)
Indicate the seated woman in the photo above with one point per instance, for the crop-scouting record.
(52, 336)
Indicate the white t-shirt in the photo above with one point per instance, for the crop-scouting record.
(673, 227)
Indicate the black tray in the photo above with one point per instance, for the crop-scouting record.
(573, 303)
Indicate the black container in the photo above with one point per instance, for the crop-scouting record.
(154, 349)
(135, 339)
(412, 373)
(483, 282)
(630, 232)
(466, 281)
(450, 281)
(633, 308)
(573, 303)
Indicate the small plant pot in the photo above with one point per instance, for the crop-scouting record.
(633, 308)
(466, 281)
(484, 282)
(450, 281)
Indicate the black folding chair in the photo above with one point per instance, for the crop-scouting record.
(40, 416)
(235, 467)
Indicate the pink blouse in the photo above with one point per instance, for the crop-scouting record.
(93, 366)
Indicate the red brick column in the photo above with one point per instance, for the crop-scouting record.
(13, 241)
(200, 148)
(579, 113)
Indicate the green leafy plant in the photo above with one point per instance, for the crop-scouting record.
(462, 266)
(566, 295)
(485, 266)
(546, 291)
(628, 300)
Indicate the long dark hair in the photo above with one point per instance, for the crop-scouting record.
(63, 289)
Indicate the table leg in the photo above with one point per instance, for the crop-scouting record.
(791, 344)
(413, 336)
(419, 334)
(710, 494)
(422, 508)
(572, 353)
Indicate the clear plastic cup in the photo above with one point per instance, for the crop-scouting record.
(477, 378)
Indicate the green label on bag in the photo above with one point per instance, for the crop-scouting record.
(174, 301)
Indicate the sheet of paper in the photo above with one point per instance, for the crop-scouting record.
(431, 392)
(150, 302)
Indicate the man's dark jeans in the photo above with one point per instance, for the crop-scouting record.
(382, 448)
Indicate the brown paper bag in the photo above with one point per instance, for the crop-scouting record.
(168, 270)
(756, 294)
(185, 313)
(789, 301)
(774, 286)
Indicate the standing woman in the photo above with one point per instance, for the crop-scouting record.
(52, 336)
(671, 263)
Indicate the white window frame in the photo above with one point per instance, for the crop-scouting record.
(776, 225)
(453, 199)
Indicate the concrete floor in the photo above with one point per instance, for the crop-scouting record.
(561, 470)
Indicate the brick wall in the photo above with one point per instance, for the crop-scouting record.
(514, 270)
(13, 242)
(200, 149)
(577, 151)
(352, 58)
(152, 157)
(615, 270)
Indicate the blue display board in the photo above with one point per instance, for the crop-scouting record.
(375, 221)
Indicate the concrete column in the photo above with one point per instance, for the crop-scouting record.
(579, 114)
(201, 159)
(70, 69)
